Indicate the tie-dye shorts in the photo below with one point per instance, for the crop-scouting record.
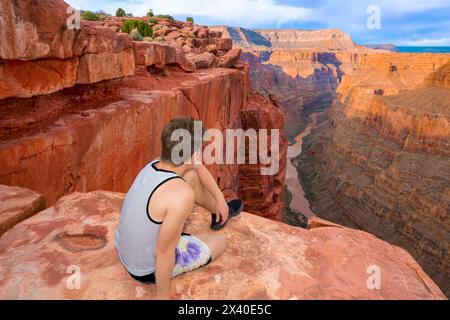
(191, 253)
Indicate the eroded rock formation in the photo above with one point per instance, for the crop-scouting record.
(45, 256)
(263, 194)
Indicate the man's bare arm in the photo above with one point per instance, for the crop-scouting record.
(169, 236)
(210, 184)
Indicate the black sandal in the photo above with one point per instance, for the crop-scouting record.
(235, 208)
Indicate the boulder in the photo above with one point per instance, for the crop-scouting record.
(16, 205)
(202, 60)
(32, 30)
(105, 66)
(153, 53)
(67, 252)
(222, 43)
(230, 59)
(25, 79)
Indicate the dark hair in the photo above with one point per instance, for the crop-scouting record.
(167, 144)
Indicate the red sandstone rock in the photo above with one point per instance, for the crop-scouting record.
(152, 53)
(263, 194)
(222, 43)
(202, 60)
(34, 30)
(105, 66)
(85, 142)
(17, 204)
(40, 256)
(230, 59)
(25, 79)
(66, 57)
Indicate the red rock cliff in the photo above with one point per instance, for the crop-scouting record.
(40, 256)
(93, 102)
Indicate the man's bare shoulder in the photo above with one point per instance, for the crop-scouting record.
(177, 188)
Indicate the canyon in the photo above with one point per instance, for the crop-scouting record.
(81, 112)
(378, 159)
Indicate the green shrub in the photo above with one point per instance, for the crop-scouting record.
(150, 13)
(136, 35)
(166, 72)
(90, 16)
(129, 15)
(143, 28)
(190, 19)
(165, 16)
(153, 21)
(120, 12)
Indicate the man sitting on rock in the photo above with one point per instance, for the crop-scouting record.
(149, 238)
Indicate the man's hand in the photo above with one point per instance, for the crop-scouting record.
(221, 210)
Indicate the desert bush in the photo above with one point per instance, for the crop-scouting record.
(90, 16)
(150, 13)
(143, 28)
(120, 12)
(190, 19)
(136, 35)
(165, 16)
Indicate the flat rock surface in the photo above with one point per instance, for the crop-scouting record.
(67, 252)
(17, 204)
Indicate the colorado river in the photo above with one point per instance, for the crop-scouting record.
(298, 203)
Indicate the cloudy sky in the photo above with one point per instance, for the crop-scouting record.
(401, 22)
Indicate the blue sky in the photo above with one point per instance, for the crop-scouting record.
(403, 22)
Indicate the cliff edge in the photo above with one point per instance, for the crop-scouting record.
(67, 252)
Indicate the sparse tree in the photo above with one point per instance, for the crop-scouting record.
(150, 13)
(120, 12)
(190, 19)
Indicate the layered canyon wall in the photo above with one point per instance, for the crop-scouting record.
(379, 161)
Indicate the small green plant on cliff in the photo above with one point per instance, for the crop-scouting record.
(90, 16)
(165, 72)
(136, 35)
(190, 19)
(150, 13)
(120, 12)
(153, 21)
(165, 16)
(143, 28)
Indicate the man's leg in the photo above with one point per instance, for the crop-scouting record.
(216, 242)
(202, 196)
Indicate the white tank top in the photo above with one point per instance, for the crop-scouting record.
(137, 234)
